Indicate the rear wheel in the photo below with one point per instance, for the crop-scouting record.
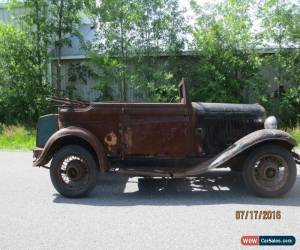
(270, 171)
(73, 171)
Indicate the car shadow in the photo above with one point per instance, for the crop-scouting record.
(215, 187)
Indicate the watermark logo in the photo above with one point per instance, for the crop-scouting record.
(250, 240)
(268, 240)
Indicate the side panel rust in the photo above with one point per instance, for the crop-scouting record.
(58, 139)
(238, 147)
(157, 130)
(103, 120)
(221, 159)
(136, 129)
(129, 130)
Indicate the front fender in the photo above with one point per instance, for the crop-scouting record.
(250, 140)
(58, 138)
(266, 135)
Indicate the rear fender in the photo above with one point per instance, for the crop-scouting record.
(251, 140)
(60, 138)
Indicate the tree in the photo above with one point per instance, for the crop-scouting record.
(229, 64)
(50, 24)
(161, 40)
(64, 17)
(280, 30)
(116, 21)
(22, 94)
(34, 24)
(25, 55)
(132, 36)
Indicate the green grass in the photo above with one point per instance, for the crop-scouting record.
(16, 137)
(296, 134)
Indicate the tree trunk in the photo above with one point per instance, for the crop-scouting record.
(39, 45)
(123, 72)
(58, 71)
(59, 45)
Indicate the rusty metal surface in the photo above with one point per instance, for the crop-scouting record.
(185, 130)
(238, 147)
(71, 132)
(37, 153)
(218, 160)
(128, 130)
(164, 130)
(66, 102)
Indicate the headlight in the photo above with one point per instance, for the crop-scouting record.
(271, 122)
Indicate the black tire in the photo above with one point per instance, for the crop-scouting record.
(81, 170)
(236, 169)
(269, 171)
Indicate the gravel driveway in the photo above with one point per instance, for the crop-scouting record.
(186, 214)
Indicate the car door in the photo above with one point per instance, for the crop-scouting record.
(158, 130)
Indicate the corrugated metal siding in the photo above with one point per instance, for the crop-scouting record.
(87, 90)
(83, 90)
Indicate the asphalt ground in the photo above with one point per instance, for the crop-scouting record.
(195, 213)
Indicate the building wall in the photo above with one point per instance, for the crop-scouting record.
(85, 88)
(11, 15)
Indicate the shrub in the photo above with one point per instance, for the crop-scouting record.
(289, 108)
(22, 95)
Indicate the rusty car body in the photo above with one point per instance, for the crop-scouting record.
(170, 140)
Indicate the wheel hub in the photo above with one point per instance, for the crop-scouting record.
(268, 169)
(270, 172)
(75, 170)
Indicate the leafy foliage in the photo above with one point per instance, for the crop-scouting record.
(289, 109)
(132, 37)
(35, 26)
(228, 64)
(63, 21)
(25, 56)
(22, 95)
(50, 24)
(280, 27)
(296, 134)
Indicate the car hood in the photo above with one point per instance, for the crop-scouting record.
(221, 108)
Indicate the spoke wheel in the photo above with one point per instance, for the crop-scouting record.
(73, 171)
(270, 171)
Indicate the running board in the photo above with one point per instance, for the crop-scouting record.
(195, 170)
(144, 172)
(181, 172)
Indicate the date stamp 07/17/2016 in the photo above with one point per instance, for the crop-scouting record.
(257, 214)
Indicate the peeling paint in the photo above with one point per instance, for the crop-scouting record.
(111, 140)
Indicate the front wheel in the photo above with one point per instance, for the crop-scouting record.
(73, 171)
(270, 171)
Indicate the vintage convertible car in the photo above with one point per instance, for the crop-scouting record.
(170, 140)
